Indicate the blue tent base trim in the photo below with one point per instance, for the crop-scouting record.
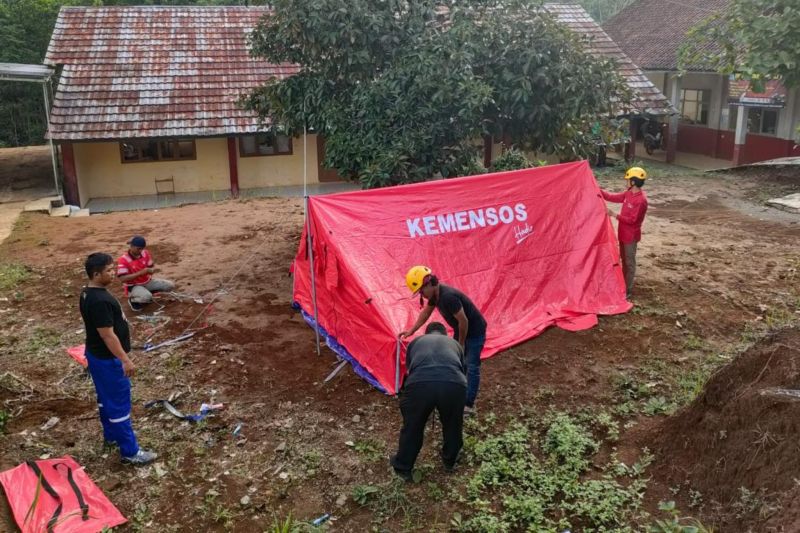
(340, 350)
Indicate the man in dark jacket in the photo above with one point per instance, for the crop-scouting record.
(435, 379)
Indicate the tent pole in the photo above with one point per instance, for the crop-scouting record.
(305, 153)
(309, 243)
(397, 369)
(50, 140)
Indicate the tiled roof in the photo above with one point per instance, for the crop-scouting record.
(652, 31)
(179, 71)
(647, 97)
(154, 71)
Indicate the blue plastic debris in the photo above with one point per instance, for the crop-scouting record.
(321, 520)
(205, 409)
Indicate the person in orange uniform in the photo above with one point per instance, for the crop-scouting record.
(629, 219)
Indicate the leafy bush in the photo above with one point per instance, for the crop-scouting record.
(512, 159)
(362, 494)
(530, 481)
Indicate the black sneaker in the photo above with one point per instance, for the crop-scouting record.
(134, 306)
(407, 476)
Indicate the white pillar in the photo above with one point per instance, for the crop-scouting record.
(741, 125)
(675, 100)
(786, 129)
(741, 135)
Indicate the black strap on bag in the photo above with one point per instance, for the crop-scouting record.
(78, 494)
(49, 489)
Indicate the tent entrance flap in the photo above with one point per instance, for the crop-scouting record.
(532, 248)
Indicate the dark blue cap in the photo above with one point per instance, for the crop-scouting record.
(138, 241)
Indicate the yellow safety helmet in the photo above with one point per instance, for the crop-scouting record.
(636, 172)
(416, 277)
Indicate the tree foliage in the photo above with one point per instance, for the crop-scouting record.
(755, 39)
(25, 28)
(402, 90)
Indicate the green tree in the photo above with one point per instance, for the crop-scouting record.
(755, 39)
(25, 28)
(401, 90)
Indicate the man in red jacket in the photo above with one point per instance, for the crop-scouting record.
(630, 219)
(135, 270)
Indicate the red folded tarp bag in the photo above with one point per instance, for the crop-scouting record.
(65, 501)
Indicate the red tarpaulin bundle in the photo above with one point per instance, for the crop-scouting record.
(532, 248)
(56, 496)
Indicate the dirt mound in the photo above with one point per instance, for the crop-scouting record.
(738, 443)
(786, 175)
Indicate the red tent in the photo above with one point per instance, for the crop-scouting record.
(532, 248)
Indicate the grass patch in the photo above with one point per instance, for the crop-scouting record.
(12, 275)
(370, 450)
(616, 169)
(675, 523)
(387, 501)
(695, 343)
(533, 477)
(42, 339)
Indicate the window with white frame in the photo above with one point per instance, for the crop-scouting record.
(695, 104)
(266, 143)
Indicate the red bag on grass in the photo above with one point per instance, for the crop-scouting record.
(56, 496)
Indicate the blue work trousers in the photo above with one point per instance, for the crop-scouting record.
(473, 346)
(114, 402)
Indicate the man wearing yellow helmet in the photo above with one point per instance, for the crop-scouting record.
(469, 326)
(630, 219)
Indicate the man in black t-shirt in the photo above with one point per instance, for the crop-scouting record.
(108, 342)
(469, 326)
(434, 380)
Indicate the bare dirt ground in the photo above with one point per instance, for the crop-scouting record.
(26, 173)
(717, 273)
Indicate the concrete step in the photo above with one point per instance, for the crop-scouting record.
(42, 205)
(62, 211)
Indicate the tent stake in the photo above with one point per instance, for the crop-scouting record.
(335, 371)
(313, 276)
